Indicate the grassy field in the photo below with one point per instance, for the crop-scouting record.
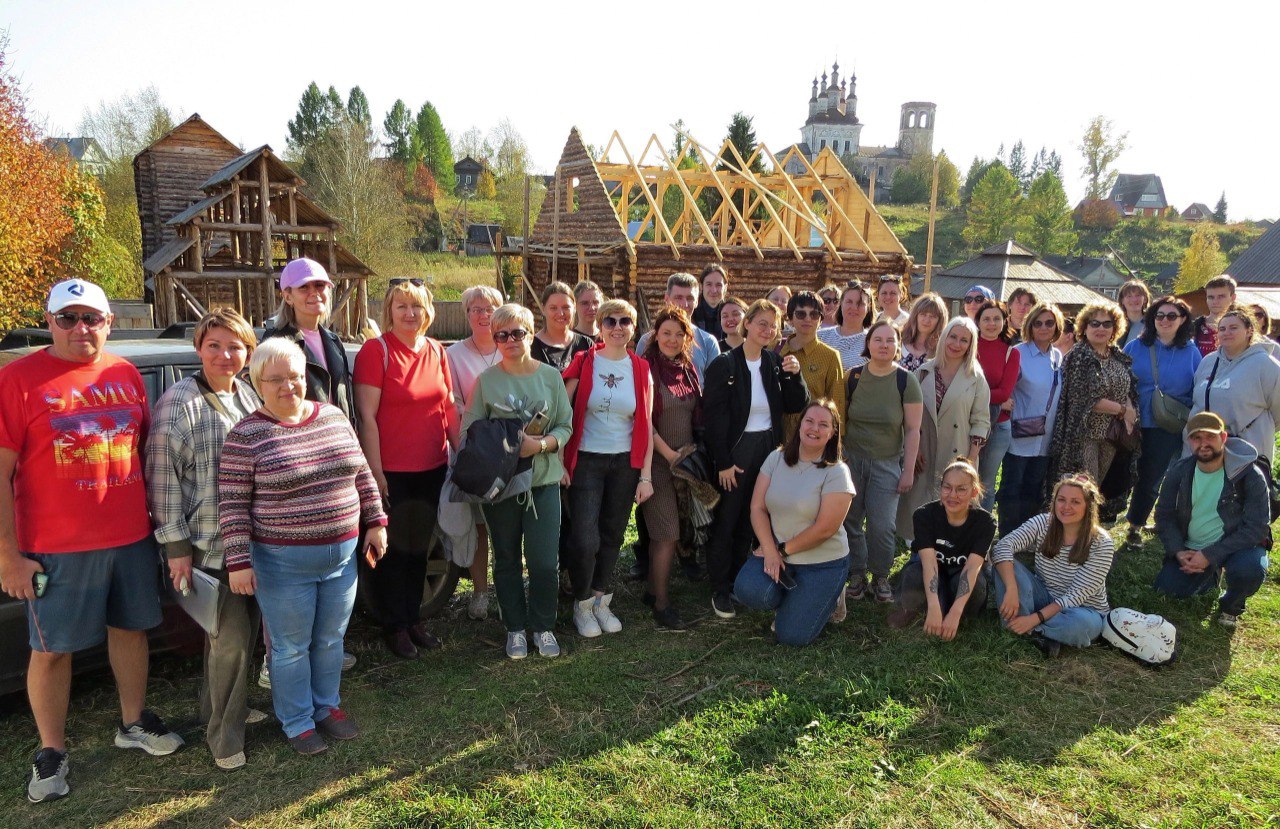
(719, 727)
(450, 273)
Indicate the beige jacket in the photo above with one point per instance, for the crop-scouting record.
(945, 433)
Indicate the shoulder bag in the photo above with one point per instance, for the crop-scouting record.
(1033, 427)
(1169, 413)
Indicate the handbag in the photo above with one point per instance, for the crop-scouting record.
(1169, 413)
(1033, 427)
(1121, 437)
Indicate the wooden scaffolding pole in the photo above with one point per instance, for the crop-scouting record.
(933, 213)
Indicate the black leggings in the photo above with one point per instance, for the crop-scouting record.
(398, 580)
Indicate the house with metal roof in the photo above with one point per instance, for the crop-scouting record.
(86, 152)
(1197, 212)
(1097, 272)
(1139, 195)
(1004, 267)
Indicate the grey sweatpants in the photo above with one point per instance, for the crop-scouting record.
(228, 660)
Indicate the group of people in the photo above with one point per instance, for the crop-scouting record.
(792, 443)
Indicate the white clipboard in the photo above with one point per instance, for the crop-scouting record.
(204, 600)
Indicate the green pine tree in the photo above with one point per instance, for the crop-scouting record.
(432, 147)
(993, 208)
(398, 126)
(1047, 224)
(1220, 210)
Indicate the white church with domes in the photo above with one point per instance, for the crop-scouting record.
(833, 122)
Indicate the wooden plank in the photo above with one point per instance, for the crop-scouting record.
(264, 210)
(654, 209)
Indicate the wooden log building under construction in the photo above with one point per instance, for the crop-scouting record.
(628, 222)
(219, 224)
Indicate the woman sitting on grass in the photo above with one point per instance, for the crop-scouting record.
(945, 576)
(1065, 600)
(797, 510)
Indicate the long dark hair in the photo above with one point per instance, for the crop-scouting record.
(1185, 328)
(1088, 525)
(680, 318)
(1006, 332)
(831, 452)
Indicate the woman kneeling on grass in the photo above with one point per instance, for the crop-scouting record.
(945, 576)
(797, 511)
(1064, 601)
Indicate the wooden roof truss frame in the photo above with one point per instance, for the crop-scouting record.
(756, 210)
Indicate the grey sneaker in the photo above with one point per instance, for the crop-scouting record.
(338, 726)
(308, 743)
(1228, 620)
(348, 660)
(235, 761)
(857, 589)
(478, 606)
(881, 590)
(547, 644)
(150, 734)
(253, 716)
(49, 771)
(517, 644)
(264, 678)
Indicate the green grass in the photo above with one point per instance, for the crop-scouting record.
(450, 273)
(719, 727)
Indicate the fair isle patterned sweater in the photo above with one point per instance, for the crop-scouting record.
(293, 484)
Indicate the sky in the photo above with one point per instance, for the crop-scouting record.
(1189, 84)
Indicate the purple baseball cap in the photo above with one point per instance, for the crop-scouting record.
(301, 271)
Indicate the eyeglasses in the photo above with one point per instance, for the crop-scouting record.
(515, 334)
(1049, 323)
(481, 310)
(400, 280)
(806, 314)
(1102, 323)
(830, 300)
(68, 320)
(292, 379)
(616, 322)
(973, 299)
(1162, 316)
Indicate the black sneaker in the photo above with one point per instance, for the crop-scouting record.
(1049, 647)
(49, 771)
(722, 604)
(649, 599)
(692, 569)
(668, 619)
(1133, 541)
(638, 572)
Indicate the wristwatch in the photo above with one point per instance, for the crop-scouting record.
(542, 444)
(782, 549)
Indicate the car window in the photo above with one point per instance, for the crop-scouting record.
(151, 379)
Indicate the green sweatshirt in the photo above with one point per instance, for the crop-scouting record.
(498, 394)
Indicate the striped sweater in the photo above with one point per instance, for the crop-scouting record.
(1071, 585)
(293, 484)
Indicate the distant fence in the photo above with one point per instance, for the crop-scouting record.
(450, 322)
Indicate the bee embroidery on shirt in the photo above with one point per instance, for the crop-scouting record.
(611, 381)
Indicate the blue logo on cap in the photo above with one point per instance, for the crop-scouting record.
(75, 289)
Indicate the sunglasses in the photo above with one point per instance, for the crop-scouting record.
(1077, 478)
(830, 300)
(1049, 323)
(805, 314)
(617, 322)
(1102, 323)
(400, 280)
(973, 299)
(1162, 316)
(68, 320)
(515, 335)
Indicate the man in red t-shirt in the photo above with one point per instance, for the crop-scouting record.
(75, 536)
(1219, 293)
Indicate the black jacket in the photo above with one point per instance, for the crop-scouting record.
(324, 386)
(726, 400)
(707, 317)
(1244, 506)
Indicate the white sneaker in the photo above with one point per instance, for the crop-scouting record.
(478, 606)
(235, 761)
(547, 644)
(264, 678)
(150, 734)
(604, 616)
(1228, 620)
(517, 644)
(254, 716)
(48, 776)
(584, 619)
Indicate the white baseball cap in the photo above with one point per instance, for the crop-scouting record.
(78, 292)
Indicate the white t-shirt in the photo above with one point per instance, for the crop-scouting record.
(611, 408)
(759, 420)
(465, 365)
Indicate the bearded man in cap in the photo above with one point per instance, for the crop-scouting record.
(75, 536)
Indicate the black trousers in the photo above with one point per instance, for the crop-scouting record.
(911, 595)
(731, 533)
(398, 580)
(601, 494)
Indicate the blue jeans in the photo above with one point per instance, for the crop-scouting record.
(1246, 570)
(989, 461)
(802, 611)
(875, 500)
(306, 594)
(1159, 449)
(1021, 490)
(1074, 626)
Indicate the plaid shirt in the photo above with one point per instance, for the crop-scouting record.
(183, 449)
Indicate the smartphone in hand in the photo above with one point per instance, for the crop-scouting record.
(40, 583)
(786, 579)
(371, 555)
(537, 425)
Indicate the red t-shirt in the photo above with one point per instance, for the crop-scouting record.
(1000, 363)
(417, 391)
(78, 431)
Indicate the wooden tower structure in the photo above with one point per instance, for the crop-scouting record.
(227, 247)
(629, 221)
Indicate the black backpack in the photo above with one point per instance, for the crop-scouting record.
(851, 384)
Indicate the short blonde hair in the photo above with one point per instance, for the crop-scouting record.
(1059, 324)
(509, 313)
(229, 319)
(1102, 306)
(613, 306)
(419, 292)
(272, 350)
(486, 292)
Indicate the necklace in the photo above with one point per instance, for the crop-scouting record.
(490, 359)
